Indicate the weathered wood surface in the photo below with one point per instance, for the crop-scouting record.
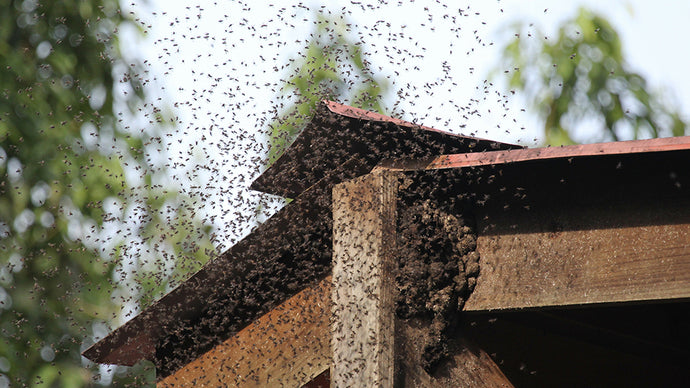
(287, 347)
(602, 254)
(363, 305)
(469, 366)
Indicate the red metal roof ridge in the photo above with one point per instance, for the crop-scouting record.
(358, 113)
(527, 154)
(362, 114)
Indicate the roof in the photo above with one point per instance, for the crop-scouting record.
(337, 132)
(292, 249)
(287, 253)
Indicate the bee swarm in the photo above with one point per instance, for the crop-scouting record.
(437, 269)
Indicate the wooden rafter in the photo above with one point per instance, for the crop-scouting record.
(287, 347)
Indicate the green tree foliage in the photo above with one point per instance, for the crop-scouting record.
(332, 67)
(86, 217)
(582, 74)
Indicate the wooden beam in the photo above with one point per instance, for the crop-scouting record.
(287, 347)
(468, 366)
(363, 306)
(606, 253)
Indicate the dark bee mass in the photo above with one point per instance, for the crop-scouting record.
(437, 267)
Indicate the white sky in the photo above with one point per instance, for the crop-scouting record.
(220, 66)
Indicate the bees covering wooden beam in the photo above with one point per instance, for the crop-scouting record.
(363, 284)
(287, 347)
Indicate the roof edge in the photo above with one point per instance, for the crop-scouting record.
(523, 155)
(362, 114)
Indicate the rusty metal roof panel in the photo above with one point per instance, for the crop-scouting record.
(534, 154)
(337, 132)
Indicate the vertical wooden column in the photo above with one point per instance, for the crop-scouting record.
(363, 329)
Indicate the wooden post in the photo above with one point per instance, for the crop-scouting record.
(363, 307)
